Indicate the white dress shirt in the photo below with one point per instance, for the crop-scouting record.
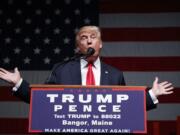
(96, 71)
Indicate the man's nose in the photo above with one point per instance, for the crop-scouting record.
(89, 41)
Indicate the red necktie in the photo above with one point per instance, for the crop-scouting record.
(90, 76)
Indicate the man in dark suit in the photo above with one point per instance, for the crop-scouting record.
(75, 72)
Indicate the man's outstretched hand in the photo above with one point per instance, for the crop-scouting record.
(163, 88)
(11, 77)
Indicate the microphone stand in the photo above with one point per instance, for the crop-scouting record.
(75, 57)
(90, 51)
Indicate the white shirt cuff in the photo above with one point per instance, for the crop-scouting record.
(16, 87)
(154, 98)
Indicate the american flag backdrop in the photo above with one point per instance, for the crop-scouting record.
(140, 38)
(37, 34)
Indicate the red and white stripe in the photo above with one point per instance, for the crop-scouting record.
(143, 40)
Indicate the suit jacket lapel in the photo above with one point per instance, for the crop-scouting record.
(75, 72)
(104, 75)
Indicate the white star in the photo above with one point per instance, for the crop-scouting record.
(9, 21)
(76, 50)
(7, 40)
(66, 40)
(67, 1)
(67, 21)
(77, 12)
(47, 60)
(37, 31)
(76, 30)
(17, 30)
(57, 50)
(46, 41)
(47, 21)
(57, 11)
(56, 31)
(27, 40)
(87, 21)
(29, 2)
(28, 21)
(19, 12)
(6, 60)
(87, 1)
(17, 50)
(38, 11)
(37, 51)
(27, 60)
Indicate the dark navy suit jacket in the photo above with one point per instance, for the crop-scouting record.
(70, 74)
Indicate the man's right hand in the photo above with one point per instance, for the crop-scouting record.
(11, 77)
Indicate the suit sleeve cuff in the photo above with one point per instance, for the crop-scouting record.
(154, 98)
(16, 87)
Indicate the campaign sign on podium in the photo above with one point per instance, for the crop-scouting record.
(90, 109)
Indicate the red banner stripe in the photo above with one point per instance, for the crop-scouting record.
(109, 6)
(6, 94)
(141, 34)
(144, 63)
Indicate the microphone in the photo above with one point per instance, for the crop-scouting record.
(90, 51)
(51, 78)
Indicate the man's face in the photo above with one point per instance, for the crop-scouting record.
(89, 38)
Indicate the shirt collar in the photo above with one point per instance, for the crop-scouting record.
(95, 64)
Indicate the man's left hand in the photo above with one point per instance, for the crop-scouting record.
(163, 88)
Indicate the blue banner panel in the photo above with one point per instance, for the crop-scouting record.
(88, 110)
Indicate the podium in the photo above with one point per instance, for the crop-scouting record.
(87, 109)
